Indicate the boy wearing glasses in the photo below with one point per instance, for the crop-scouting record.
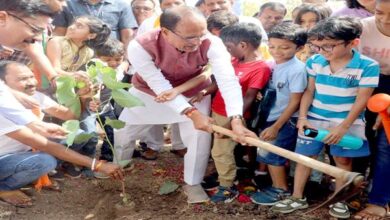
(340, 82)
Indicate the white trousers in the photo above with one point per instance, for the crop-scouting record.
(141, 118)
(154, 139)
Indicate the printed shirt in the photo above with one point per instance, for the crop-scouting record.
(288, 77)
(335, 93)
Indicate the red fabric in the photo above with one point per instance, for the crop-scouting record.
(177, 67)
(254, 75)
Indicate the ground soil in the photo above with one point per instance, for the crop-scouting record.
(100, 199)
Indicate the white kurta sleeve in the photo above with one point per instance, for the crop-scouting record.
(143, 64)
(227, 81)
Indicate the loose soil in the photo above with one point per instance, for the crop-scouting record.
(100, 199)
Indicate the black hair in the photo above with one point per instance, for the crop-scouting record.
(199, 3)
(220, 19)
(321, 11)
(353, 4)
(274, 6)
(4, 65)
(112, 47)
(242, 32)
(98, 27)
(289, 31)
(337, 28)
(27, 8)
(171, 16)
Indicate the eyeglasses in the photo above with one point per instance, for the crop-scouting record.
(325, 48)
(34, 29)
(190, 39)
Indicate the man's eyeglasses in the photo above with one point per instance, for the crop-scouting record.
(190, 39)
(325, 48)
(34, 29)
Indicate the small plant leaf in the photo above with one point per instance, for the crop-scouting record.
(168, 187)
(83, 137)
(117, 124)
(92, 71)
(72, 126)
(125, 99)
(124, 163)
(66, 94)
(112, 84)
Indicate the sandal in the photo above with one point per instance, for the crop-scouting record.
(370, 214)
(16, 198)
(339, 210)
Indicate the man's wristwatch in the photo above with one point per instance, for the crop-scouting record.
(236, 117)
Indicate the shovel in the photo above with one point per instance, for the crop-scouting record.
(353, 182)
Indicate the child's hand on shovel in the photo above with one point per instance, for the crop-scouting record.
(241, 131)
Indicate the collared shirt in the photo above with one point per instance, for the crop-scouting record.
(116, 13)
(11, 109)
(335, 93)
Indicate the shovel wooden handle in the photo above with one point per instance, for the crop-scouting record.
(307, 161)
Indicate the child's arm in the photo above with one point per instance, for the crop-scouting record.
(306, 101)
(271, 132)
(192, 83)
(249, 97)
(53, 52)
(336, 133)
(207, 91)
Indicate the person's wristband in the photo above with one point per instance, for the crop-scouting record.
(302, 118)
(236, 117)
(189, 111)
(93, 164)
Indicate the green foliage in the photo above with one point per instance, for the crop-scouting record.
(168, 187)
(83, 137)
(125, 99)
(117, 124)
(113, 84)
(72, 126)
(66, 94)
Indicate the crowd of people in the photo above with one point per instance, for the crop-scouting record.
(264, 76)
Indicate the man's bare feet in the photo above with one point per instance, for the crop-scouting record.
(16, 198)
(372, 212)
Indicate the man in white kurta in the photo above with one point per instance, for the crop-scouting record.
(167, 58)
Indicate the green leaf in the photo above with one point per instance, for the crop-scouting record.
(125, 99)
(112, 84)
(124, 163)
(72, 126)
(117, 124)
(92, 71)
(168, 187)
(66, 94)
(83, 137)
(106, 70)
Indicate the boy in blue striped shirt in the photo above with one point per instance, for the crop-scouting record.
(340, 82)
